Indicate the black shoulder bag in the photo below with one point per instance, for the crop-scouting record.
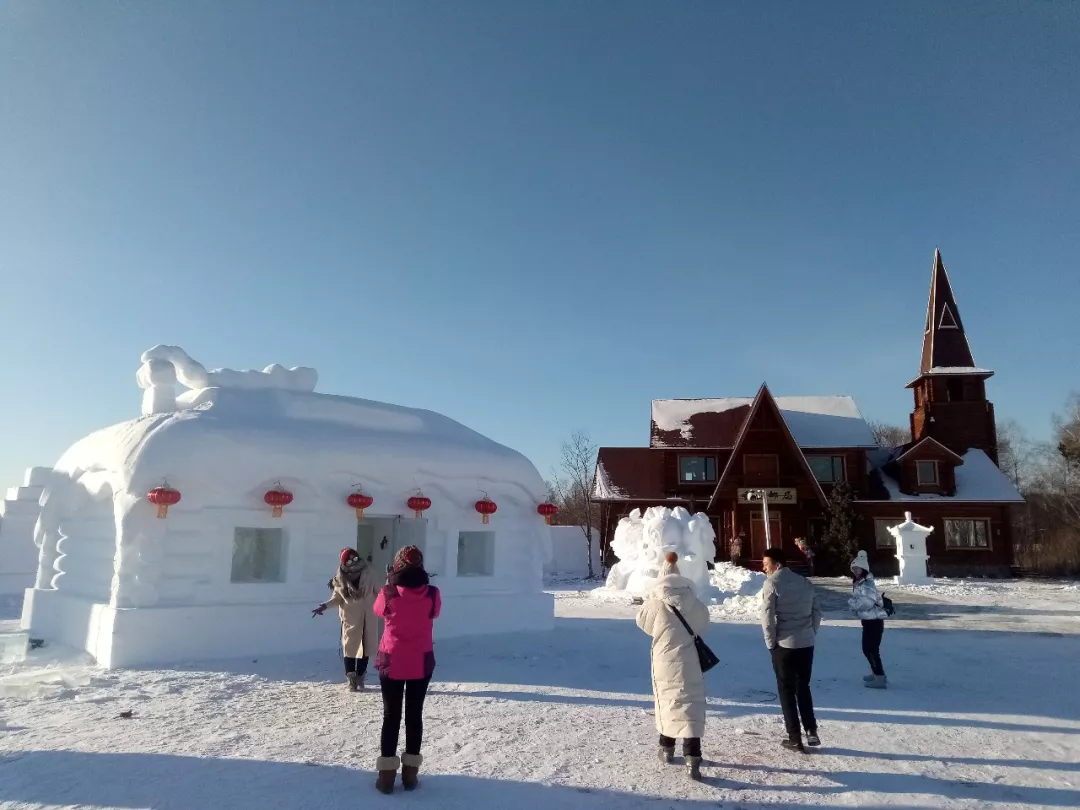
(706, 657)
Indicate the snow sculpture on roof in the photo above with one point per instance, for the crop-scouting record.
(641, 541)
(164, 366)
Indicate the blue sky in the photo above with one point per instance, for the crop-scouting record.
(533, 217)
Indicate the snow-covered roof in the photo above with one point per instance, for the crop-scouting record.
(978, 480)
(958, 370)
(603, 489)
(814, 421)
(221, 445)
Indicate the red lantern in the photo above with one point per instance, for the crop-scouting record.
(419, 504)
(359, 501)
(548, 510)
(278, 498)
(163, 498)
(487, 508)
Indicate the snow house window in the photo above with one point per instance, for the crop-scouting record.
(881, 531)
(697, 469)
(927, 473)
(476, 554)
(827, 469)
(258, 555)
(967, 534)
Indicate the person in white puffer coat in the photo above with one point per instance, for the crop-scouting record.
(869, 607)
(678, 682)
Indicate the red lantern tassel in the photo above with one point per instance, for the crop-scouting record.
(277, 512)
(485, 519)
(359, 514)
(162, 511)
(547, 519)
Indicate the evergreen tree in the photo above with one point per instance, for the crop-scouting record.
(841, 535)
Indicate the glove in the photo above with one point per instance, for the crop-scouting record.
(318, 611)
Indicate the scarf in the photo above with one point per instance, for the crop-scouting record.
(355, 580)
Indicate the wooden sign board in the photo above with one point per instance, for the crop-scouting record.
(776, 496)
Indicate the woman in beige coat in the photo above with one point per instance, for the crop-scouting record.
(354, 595)
(678, 682)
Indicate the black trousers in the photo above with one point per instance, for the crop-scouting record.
(872, 631)
(357, 665)
(691, 746)
(793, 670)
(412, 694)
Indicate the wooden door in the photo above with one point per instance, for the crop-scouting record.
(758, 542)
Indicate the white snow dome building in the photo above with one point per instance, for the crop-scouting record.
(219, 575)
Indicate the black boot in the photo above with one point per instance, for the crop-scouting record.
(387, 768)
(410, 771)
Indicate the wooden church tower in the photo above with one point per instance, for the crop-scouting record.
(950, 391)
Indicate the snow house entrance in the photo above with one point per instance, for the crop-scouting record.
(378, 539)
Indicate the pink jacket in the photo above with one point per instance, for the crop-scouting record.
(406, 651)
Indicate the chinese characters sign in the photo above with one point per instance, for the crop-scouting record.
(776, 496)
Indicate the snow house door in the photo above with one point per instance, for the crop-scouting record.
(375, 543)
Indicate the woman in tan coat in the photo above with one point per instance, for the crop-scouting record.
(354, 595)
(678, 682)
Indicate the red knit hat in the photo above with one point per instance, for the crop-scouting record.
(408, 557)
(347, 554)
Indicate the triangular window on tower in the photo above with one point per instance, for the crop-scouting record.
(927, 329)
(947, 320)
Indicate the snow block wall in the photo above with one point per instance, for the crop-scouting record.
(115, 580)
(570, 553)
(18, 514)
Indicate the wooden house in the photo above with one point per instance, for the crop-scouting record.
(718, 455)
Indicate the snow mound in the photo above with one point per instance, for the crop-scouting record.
(736, 592)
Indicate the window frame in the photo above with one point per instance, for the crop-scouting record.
(282, 538)
(833, 457)
(889, 522)
(489, 556)
(918, 473)
(706, 458)
(775, 482)
(984, 520)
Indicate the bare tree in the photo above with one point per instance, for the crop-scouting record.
(889, 435)
(571, 489)
(1067, 428)
(1018, 455)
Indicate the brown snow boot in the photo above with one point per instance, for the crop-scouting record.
(387, 768)
(693, 768)
(667, 755)
(410, 770)
(354, 681)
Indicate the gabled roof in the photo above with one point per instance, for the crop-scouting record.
(764, 400)
(907, 450)
(945, 343)
(978, 480)
(815, 421)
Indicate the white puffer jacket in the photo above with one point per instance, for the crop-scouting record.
(678, 683)
(866, 602)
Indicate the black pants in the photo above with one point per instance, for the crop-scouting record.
(691, 747)
(357, 665)
(872, 631)
(412, 693)
(793, 669)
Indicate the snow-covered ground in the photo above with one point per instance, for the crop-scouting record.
(977, 715)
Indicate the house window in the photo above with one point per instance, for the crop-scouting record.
(258, 555)
(927, 472)
(955, 388)
(827, 469)
(476, 554)
(697, 469)
(761, 470)
(967, 534)
(881, 531)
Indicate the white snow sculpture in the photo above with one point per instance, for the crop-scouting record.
(19, 512)
(221, 576)
(642, 541)
(911, 551)
(162, 366)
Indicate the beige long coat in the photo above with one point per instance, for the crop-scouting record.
(359, 629)
(678, 683)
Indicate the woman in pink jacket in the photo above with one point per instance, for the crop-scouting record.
(405, 663)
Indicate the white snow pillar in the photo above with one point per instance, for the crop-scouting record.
(911, 551)
(157, 378)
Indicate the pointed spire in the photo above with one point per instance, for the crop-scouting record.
(945, 343)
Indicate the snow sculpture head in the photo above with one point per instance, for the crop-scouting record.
(641, 543)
